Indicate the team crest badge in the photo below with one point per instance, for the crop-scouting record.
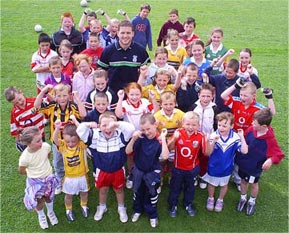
(134, 58)
(195, 144)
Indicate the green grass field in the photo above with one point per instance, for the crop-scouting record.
(260, 25)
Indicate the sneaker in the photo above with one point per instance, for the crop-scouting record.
(70, 216)
(43, 222)
(250, 208)
(135, 217)
(52, 218)
(219, 205)
(203, 184)
(122, 214)
(58, 190)
(210, 204)
(190, 210)
(129, 184)
(241, 205)
(173, 211)
(154, 222)
(85, 211)
(99, 213)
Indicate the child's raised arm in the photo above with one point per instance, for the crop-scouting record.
(80, 105)
(38, 100)
(240, 82)
(244, 146)
(129, 147)
(210, 146)
(57, 125)
(118, 110)
(268, 92)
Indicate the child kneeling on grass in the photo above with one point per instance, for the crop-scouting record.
(75, 180)
(223, 145)
(41, 182)
(146, 171)
(107, 144)
(263, 151)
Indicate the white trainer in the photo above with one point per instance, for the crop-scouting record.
(58, 190)
(43, 222)
(135, 217)
(129, 184)
(122, 214)
(154, 222)
(99, 213)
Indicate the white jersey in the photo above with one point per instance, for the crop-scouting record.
(133, 113)
(41, 60)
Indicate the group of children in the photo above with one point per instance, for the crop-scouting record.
(192, 114)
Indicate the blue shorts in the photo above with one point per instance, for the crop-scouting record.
(248, 178)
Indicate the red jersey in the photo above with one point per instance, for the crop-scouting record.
(243, 117)
(189, 40)
(94, 54)
(21, 118)
(188, 150)
(69, 69)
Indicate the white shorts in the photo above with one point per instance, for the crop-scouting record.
(216, 181)
(75, 185)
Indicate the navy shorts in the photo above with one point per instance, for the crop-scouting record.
(248, 178)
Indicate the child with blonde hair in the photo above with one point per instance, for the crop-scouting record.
(41, 182)
(189, 143)
(176, 52)
(169, 118)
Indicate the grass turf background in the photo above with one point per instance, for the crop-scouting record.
(261, 26)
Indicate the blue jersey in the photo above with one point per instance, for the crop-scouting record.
(221, 161)
(147, 153)
(142, 31)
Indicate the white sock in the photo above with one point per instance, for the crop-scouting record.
(244, 196)
(40, 212)
(120, 206)
(102, 206)
(49, 206)
(252, 200)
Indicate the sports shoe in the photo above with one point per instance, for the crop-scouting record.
(122, 214)
(190, 210)
(70, 216)
(99, 213)
(203, 184)
(210, 204)
(43, 222)
(250, 208)
(85, 211)
(129, 184)
(121, 12)
(58, 190)
(100, 11)
(219, 205)
(173, 211)
(241, 205)
(52, 218)
(135, 217)
(154, 222)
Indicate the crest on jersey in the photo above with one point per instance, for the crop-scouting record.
(195, 144)
(134, 58)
